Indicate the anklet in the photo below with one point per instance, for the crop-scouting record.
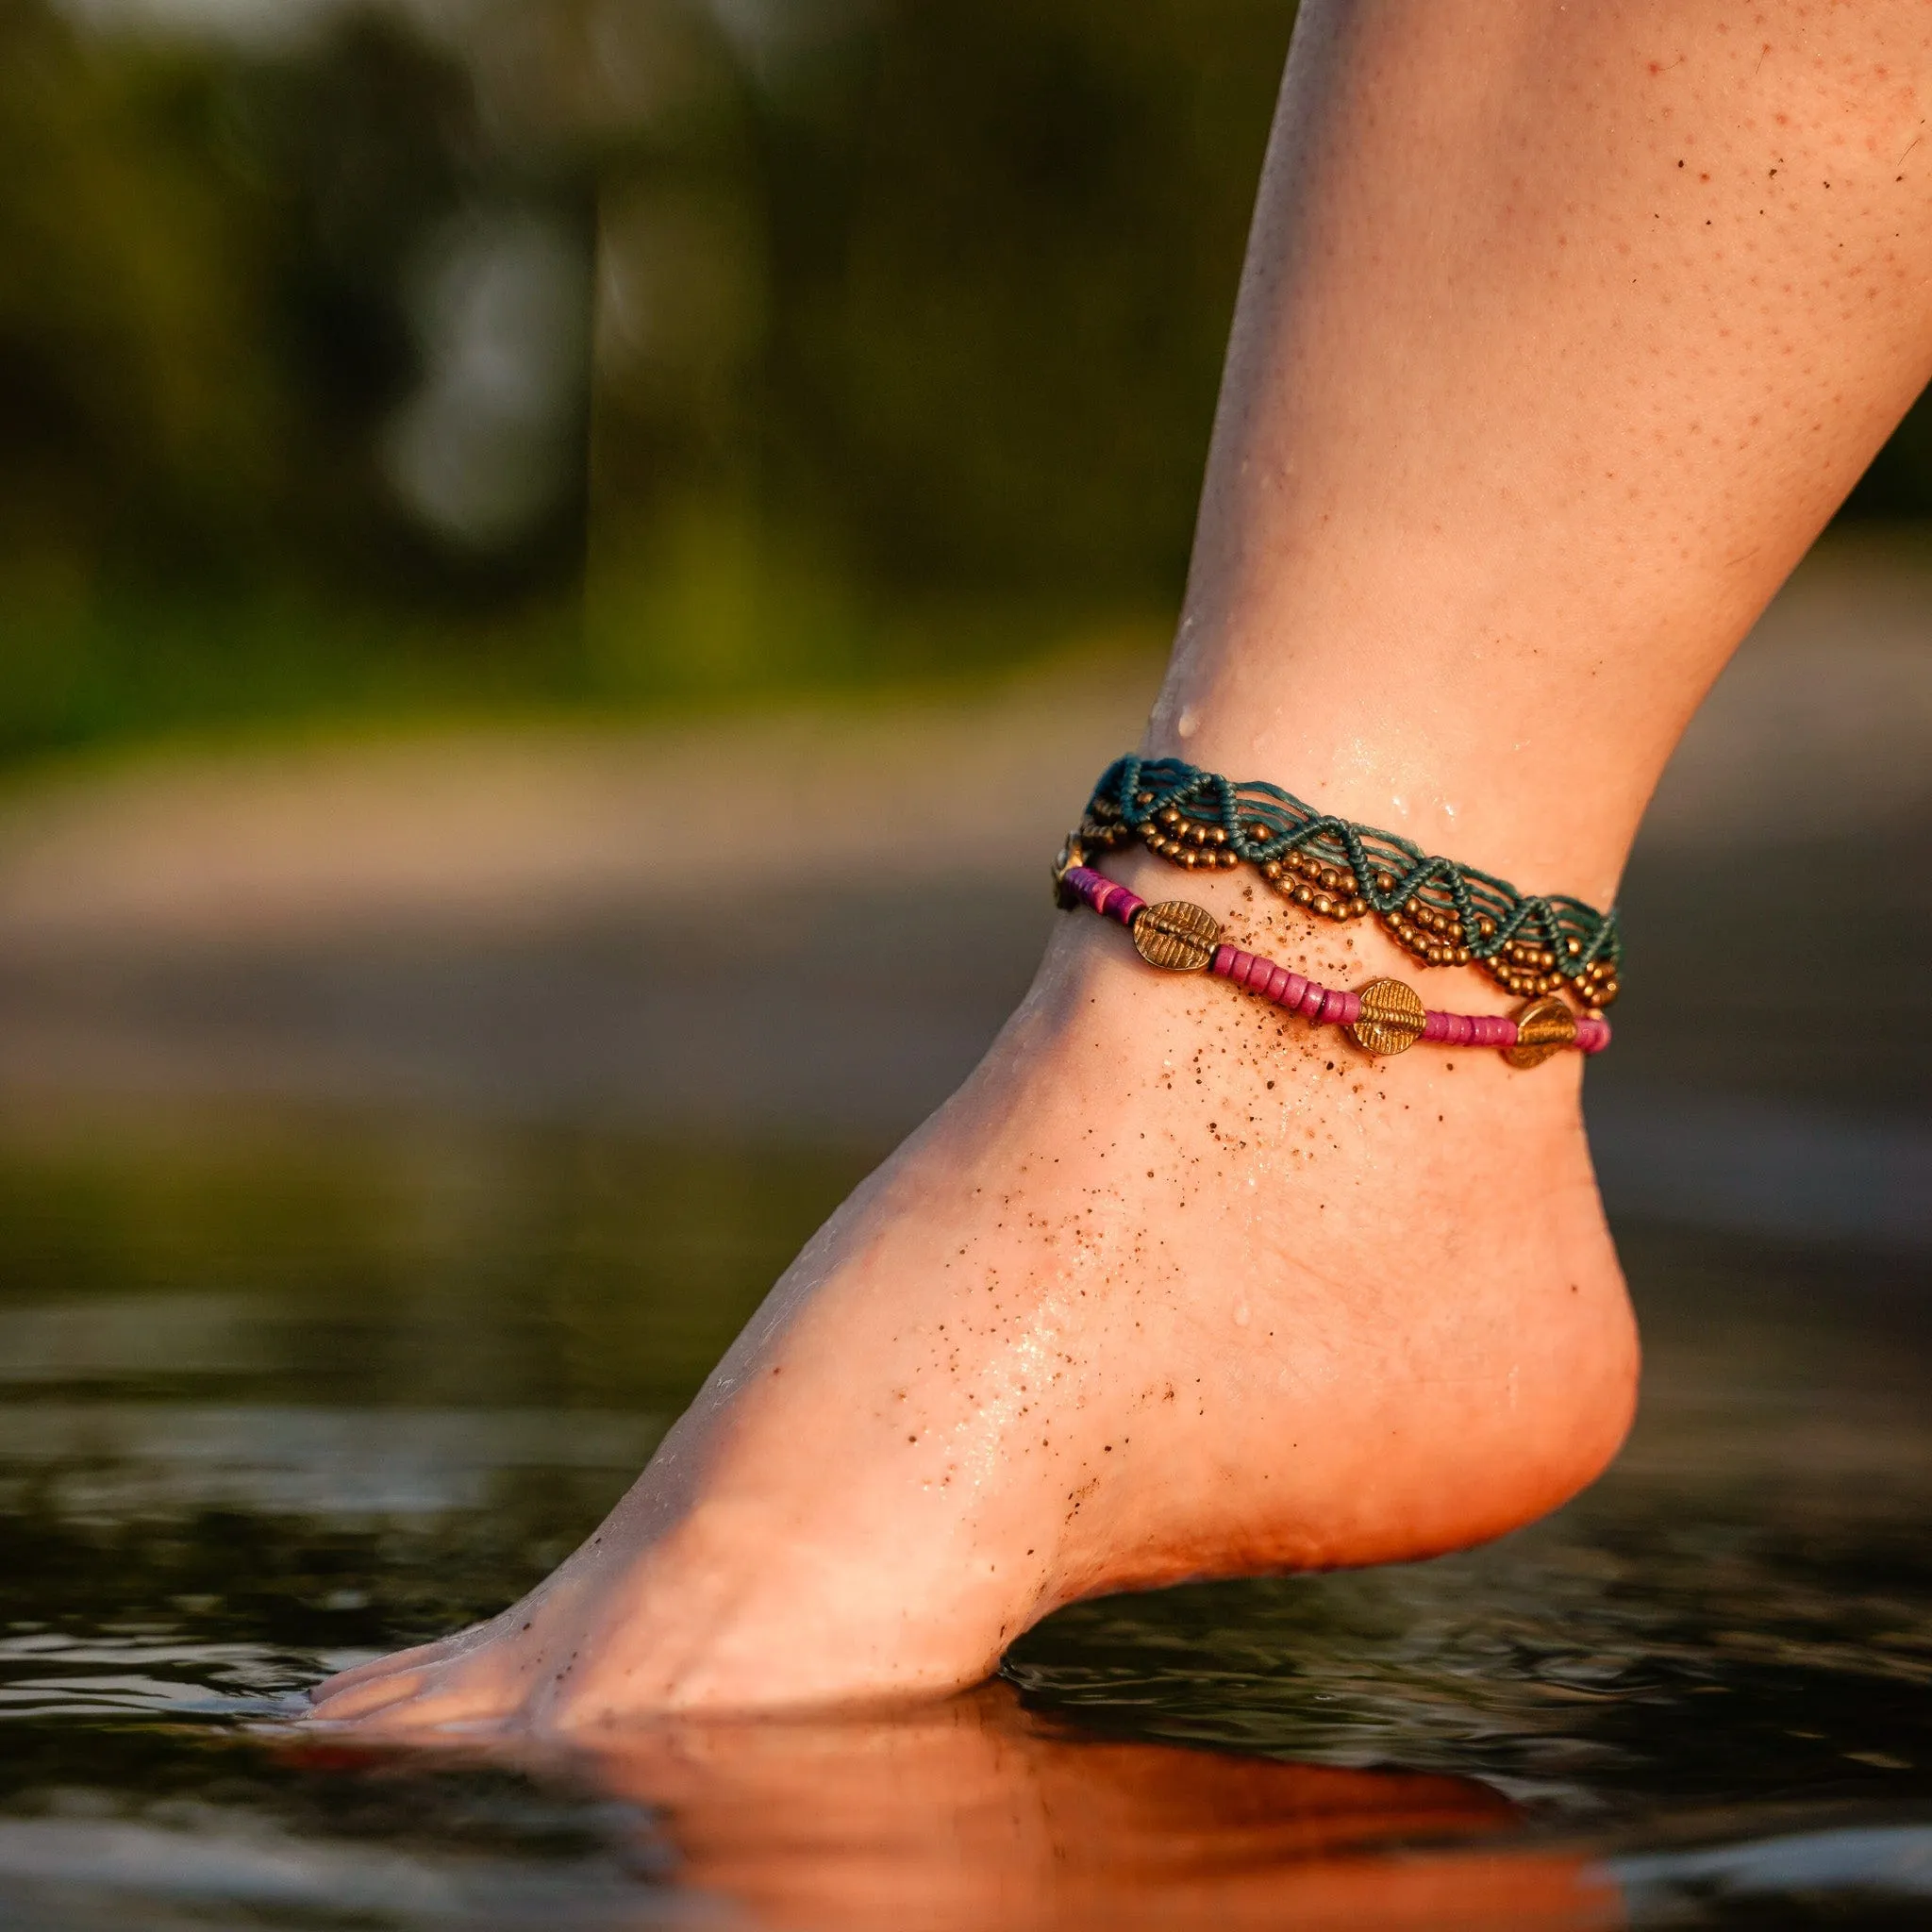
(1444, 913)
(1385, 1016)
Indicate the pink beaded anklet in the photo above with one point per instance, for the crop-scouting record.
(1387, 1016)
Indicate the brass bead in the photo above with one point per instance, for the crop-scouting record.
(1176, 935)
(1303, 896)
(1543, 1027)
(1385, 881)
(1190, 858)
(1324, 904)
(1357, 907)
(1168, 815)
(1217, 835)
(1270, 869)
(1392, 1017)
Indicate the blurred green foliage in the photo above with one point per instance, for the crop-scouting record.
(601, 350)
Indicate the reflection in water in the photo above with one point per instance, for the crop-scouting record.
(975, 1813)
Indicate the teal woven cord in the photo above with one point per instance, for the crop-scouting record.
(1290, 826)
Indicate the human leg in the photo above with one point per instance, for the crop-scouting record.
(1562, 332)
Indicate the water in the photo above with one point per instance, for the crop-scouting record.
(285, 1389)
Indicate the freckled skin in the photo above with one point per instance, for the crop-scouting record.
(1523, 424)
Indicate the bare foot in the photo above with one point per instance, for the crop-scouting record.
(1517, 438)
(1173, 1287)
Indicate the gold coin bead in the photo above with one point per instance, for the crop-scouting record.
(1392, 1017)
(1543, 1027)
(1177, 935)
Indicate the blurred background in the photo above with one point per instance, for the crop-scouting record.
(437, 435)
(366, 359)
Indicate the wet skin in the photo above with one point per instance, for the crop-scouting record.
(1561, 334)
(1175, 1286)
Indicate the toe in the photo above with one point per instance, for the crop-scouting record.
(376, 1668)
(336, 1702)
(438, 1704)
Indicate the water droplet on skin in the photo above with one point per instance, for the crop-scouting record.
(1187, 724)
(1241, 1315)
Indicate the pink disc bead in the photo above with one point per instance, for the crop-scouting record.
(1592, 1036)
(1108, 899)
(1286, 988)
(1230, 962)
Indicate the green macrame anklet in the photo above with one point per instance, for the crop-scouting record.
(1444, 913)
